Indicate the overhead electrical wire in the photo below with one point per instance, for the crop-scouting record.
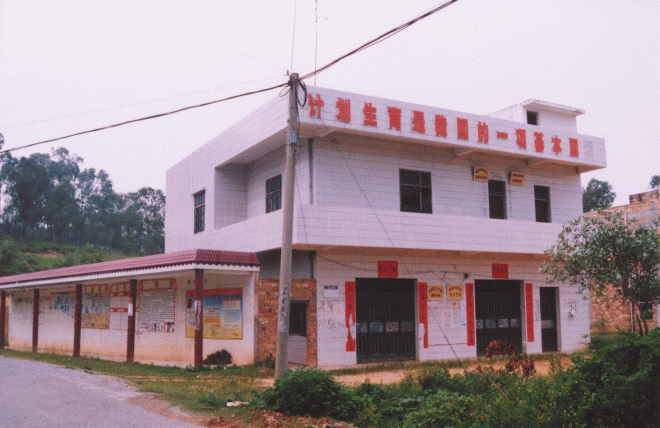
(376, 40)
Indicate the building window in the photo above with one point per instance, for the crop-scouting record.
(298, 318)
(542, 202)
(274, 193)
(532, 117)
(646, 311)
(415, 191)
(497, 199)
(199, 211)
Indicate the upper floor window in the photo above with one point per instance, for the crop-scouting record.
(542, 202)
(199, 211)
(532, 117)
(415, 191)
(497, 199)
(274, 193)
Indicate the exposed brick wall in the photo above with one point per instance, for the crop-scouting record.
(268, 294)
(609, 313)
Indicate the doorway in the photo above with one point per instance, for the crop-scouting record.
(498, 313)
(549, 341)
(385, 319)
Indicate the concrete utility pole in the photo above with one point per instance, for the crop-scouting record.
(282, 357)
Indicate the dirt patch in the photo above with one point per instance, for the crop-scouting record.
(388, 377)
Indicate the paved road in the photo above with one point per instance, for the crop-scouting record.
(34, 394)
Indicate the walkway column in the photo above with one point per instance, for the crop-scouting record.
(3, 314)
(35, 320)
(77, 320)
(199, 317)
(132, 304)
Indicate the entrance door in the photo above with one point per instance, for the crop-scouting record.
(385, 319)
(497, 313)
(549, 319)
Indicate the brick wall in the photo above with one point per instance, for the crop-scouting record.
(268, 295)
(609, 314)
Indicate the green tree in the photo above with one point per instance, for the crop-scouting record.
(597, 195)
(62, 211)
(602, 252)
(655, 182)
(143, 220)
(27, 183)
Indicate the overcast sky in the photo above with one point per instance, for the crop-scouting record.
(68, 66)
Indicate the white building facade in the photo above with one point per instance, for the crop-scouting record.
(424, 228)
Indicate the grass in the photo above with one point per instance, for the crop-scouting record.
(204, 392)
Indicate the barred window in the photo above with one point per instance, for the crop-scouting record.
(415, 189)
(274, 193)
(199, 211)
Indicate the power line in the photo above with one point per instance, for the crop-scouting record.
(370, 43)
(146, 118)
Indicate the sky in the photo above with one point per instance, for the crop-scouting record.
(70, 66)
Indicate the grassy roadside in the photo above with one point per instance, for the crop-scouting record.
(205, 392)
(201, 392)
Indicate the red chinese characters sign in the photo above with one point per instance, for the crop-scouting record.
(423, 311)
(349, 292)
(469, 312)
(529, 310)
(440, 125)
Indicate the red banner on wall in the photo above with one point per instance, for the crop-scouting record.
(350, 314)
(423, 310)
(388, 269)
(529, 309)
(500, 271)
(469, 311)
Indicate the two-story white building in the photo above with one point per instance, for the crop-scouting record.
(424, 228)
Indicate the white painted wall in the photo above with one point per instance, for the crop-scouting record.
(56, 327)
(336, 269)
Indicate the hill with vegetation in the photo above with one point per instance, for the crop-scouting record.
(25, 257)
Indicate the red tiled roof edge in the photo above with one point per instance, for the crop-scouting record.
(210, 257)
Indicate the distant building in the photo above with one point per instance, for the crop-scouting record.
(609, 313)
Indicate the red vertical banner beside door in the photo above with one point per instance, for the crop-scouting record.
(350, 312)
(469, 312)
(529, 311)
(423, 310)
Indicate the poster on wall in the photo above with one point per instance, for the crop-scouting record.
(156, 311)
(62, 302)
(96, 306)
(223, 314)
(119, 298)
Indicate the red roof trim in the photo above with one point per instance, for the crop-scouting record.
(186, 257)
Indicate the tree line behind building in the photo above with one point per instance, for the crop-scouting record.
(51, 198)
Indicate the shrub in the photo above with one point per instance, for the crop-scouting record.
(218, 358)
(313, 392)
(443, 409)
(499, 347)
(624, 380)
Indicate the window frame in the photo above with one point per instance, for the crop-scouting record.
(419, 188)
(541, 200)
(199, 204)
(274, 193)
(497, 200)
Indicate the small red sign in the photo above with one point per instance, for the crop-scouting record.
(500, 271)
(388, 269)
